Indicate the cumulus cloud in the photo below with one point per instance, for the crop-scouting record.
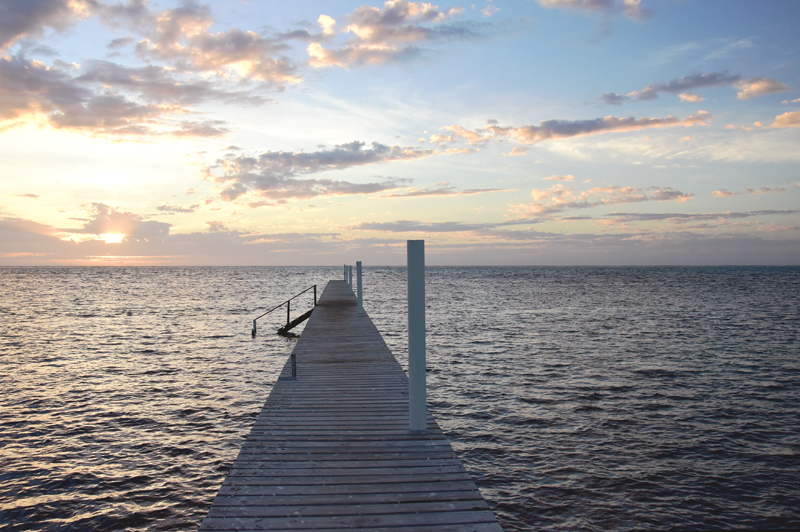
(28, 18)
(560, 198)
(274, 174)
(147, 100)
(388, 34)
(684, 87)
(790, 119)
(722, 193)
(568, 177)
(753, 87)
(181, 36)
(628, 8)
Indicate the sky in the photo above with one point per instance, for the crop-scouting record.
(526, 132)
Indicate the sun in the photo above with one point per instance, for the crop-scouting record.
(112, 238)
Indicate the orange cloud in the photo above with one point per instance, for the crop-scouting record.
(790, 119)
(750, 88)
(689, 97)
(386, 34)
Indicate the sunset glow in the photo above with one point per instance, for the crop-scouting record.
(506, 132)
(112, 238)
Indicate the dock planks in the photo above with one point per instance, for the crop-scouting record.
(332, 450)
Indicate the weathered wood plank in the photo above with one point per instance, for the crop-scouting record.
(393, 520)
(332, 449)
(339, 498)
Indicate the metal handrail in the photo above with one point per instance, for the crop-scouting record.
(288, 304)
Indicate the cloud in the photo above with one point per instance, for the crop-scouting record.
(103, 219)
(407, 226)
(790, 119)
(750, 88)
(31, 196)
(568, 177)
(121, 42)
(273, 174)
(441, 191)
(459, 134)
(518, 151)
(28, 18)
(561, 198)
(181, 37)
(692, 217)
(490, 9)
(628, 8)
(689, 97)
(796, 100)
(560, 129)
(684, 87)
(216, 226)
(174, 209)
(722, 193)
(556, 191)
(156, 103)
(389, 34)
(765, 190)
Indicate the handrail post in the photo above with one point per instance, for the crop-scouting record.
(358, 285)
(254, 328)
(417, 400)
(315, 295)
(288, 311)
(294, 366)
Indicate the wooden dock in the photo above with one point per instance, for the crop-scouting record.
(332, 449)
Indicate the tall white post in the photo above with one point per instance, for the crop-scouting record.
(358, 285)
(417, 401)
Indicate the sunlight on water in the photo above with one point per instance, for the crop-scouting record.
(579, 398)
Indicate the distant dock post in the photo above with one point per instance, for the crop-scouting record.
(345, 273)
(350, 276)
(417, 400)
(358, 287)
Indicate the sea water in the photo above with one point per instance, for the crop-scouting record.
(578, 398)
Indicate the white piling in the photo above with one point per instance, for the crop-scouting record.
(417, 400)
(358, 286)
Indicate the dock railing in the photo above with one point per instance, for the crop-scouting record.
(290, 324)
